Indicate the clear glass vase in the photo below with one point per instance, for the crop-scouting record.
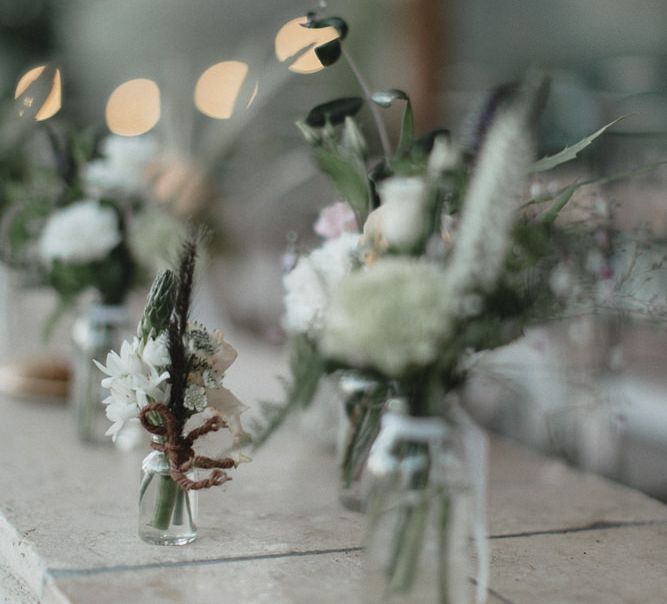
(99, 330)
(167, 513)
(419, 537)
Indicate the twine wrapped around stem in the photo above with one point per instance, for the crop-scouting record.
(178, 448)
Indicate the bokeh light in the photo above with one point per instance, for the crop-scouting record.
(218, 88)
(296, 43)
(133, 107)
(39, 93)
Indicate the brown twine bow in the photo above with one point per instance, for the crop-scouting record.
(178, 448)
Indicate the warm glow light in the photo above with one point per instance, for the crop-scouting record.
(32, 91)
(218, 88)
(294, 41)
(134, 107)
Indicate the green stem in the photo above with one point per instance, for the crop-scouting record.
(363, 434)
(179, 506)
(167, 492)
(382, 130)
(145, 483)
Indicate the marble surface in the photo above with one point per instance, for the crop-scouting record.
(276, 532)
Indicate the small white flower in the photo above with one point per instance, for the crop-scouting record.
(122, 167)
(195, 398)
(133, 380)
(309, 285)
(121, 407)
(156, 351)
(403, 216)
(122, 365)
(81, 232)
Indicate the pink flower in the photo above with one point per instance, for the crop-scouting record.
(334, 220)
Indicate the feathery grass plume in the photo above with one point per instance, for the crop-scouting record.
(178, 370)
(492, 199)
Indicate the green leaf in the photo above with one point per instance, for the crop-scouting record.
(307, 368)
(570, 153)
(561, 201)
(634, 173)
(385, 98)
(334, 111)
(329, 52)
(336, 22)
(407, 131)
(348, 178)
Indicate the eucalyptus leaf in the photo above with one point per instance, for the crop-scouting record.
(334, 111)
(348, 178)
(329, 52)
(570, 153)
(336, 22)
(385, 98)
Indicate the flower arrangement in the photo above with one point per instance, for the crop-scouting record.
(170, 378)
(77, 222)
(451, 256)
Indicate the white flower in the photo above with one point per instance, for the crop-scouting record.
(81, 232)
(121, 407)
(444, 156)
(309, 285)
(230, 408)
(156, 351)
(334, 220)
(225, 356)
(122, 167)
(195, 398)
(392, 317)
(135, 378)
(401, 219)
(372, 230)
(123, 365)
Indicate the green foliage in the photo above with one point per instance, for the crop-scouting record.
(571, 152)
(349, 179)
(307, 367)
(334, 112)
(329, 52)
(336, 22)
(385, 98)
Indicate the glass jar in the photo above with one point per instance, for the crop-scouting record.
(420, 502)
(101, 329)
(363, 404)
(167, 512)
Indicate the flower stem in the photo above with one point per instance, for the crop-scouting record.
(167, 492)
(379, 123)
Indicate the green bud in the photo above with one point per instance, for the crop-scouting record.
(353, 139)
(159, 305)
(311, 135)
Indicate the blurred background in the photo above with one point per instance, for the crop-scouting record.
(593, 390)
